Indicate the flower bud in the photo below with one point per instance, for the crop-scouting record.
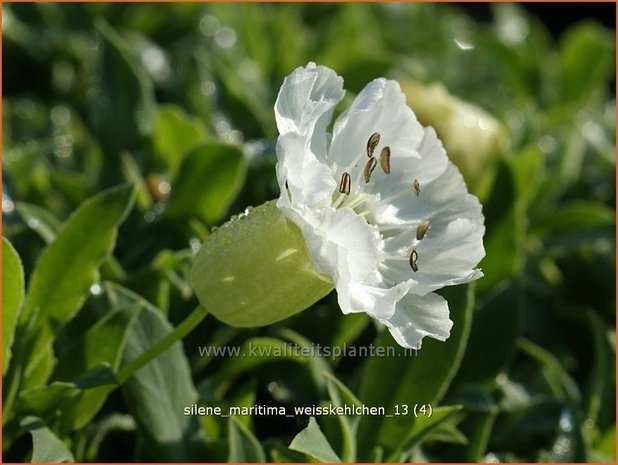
(255, 270)
(472, 137)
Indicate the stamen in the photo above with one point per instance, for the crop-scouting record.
(422, 229)
(413, 259)
(345, 184)
(369, 167)
(385, 159)
(372, 143)
(416, 188)
(351, 202)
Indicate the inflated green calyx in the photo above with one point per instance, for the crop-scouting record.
(256, 270)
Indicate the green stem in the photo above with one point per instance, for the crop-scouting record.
(18, 365)
(153, 352)
(11, 390)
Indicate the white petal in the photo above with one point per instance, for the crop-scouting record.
(342, 243)
(303, 110)
(445, 197)
(417, 317)
(450, 249)
(306, 101)
(380, 107)
(349, 250)
(378, 302)
(447, 255)
(345, 247)
(301, 176)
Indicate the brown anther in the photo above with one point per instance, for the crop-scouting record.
(385, 160)
(422, 229)
(345, 184)
(369, 167)
(413, 259)
(372, 143)
(416, 188)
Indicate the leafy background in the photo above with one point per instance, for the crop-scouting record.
(129, 131)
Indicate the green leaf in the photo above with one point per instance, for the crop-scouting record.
(447, 432)
(423, 426)
(576, 218)
(12, 298)
(526, 168)
(601, 384)
(88, 444)
(563, 175)
(318, 366)
(528, 65)
(43, 222)
(133, 175)
(279, 452)
(312, 442)
(243, 397)
(69, 404)
(556, 376)
(46, 447)
(101, 345)
(243, 445)
(122, 101)
(45, 400)
(67, 268)
(340, 395)
(73, 185)
(176, 267)
(158, 392)
(253, 353)
(259, 351)
(176, 133)
(495, 328)
(503, 220)
(587, 55)
(479, 430)
(480, 413)
(606, 444)
(377, 455)
(210, 178)
(247, 100)
(350, 328)
(529, 422)
(412, 379)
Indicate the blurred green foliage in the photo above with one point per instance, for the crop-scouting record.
(176, 100)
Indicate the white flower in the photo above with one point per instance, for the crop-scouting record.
(383, 211)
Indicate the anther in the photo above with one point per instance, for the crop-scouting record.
(372, 143)
(385, 159)
(345, 184)
(413, 259)
(416, 188)
(369, 167)
(422, 229)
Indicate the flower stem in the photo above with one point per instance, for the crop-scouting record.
(162, 345)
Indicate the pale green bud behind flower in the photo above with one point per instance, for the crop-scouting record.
(472, 137)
